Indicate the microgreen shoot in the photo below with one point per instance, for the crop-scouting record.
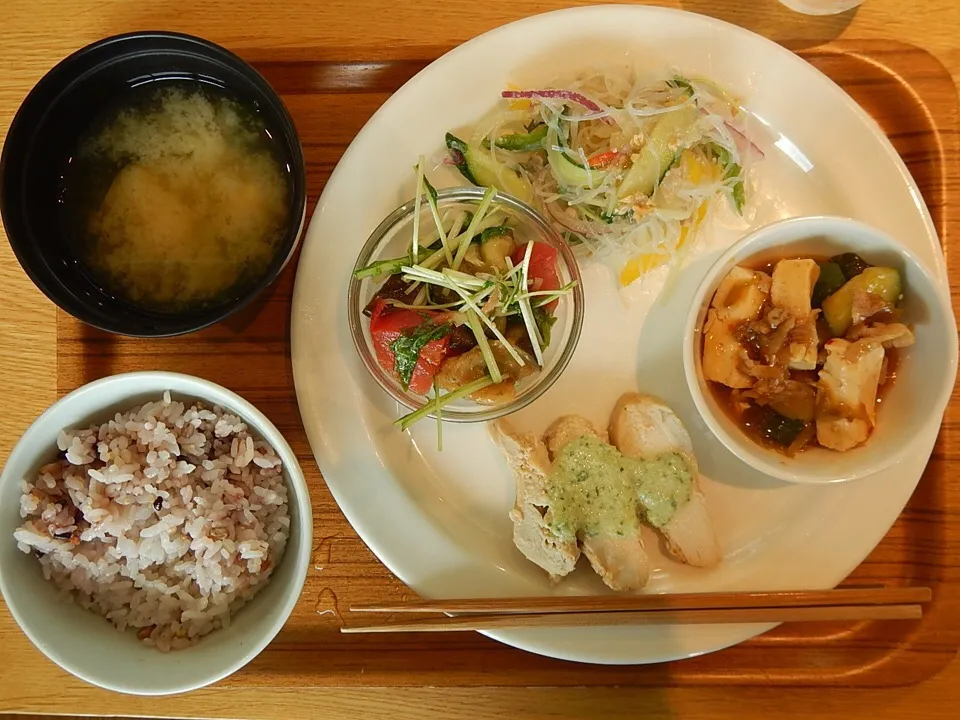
(415, 253)
(474, 321)
(443, 279)
(526, 311)
(439, 415)
(435, 404)
(473, 227)
(431, 192)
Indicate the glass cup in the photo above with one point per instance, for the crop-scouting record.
(821, 7)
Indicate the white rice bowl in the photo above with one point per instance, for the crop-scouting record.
(165, 519)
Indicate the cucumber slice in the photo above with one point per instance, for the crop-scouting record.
(567, 173)
(523, 142)
(480, 169)
(659, 153)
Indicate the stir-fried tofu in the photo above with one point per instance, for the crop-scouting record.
(792, 286)
(791, 290)
(721, 353)
(802, 345)
(847, 394)
(890, 335)
(741, 294)
(739, 298)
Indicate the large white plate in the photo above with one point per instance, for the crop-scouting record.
(439, 520)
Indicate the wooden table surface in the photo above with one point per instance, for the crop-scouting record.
(34, 35)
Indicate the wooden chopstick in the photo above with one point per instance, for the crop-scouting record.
(659, 617)
(680, 601)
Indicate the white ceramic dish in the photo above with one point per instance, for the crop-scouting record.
(85, 644)
(439, 520)
(926, 371)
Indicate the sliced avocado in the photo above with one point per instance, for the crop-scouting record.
(659, 152)
(881, 281)
(480, 169)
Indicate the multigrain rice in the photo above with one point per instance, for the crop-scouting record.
(165, 520)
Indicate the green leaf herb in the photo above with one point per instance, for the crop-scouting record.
(545, 321)
(406, 349)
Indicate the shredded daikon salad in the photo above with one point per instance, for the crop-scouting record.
(628, 168)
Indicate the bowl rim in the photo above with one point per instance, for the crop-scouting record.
(834, 227)
(468, 195)
(140, 383)
(64, 73)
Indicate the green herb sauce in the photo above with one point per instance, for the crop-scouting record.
(594, 489)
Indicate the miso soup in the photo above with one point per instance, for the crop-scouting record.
(176, 198)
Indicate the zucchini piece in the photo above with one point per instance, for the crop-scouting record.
(524, 142)
(659, 153)
(480, 169)
(568, 173)
(881, 281)
(850, 264)
(496, 245)
(830, 280)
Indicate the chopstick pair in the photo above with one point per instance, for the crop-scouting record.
(850, 603)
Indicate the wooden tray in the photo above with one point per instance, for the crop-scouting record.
(912, 97)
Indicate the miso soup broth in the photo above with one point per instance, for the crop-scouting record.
(176, 198)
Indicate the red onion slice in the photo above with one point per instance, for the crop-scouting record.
(570, 95)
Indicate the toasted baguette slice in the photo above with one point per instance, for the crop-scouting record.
(528, 459)
(566, 429)
(643, 426)
(620, 561)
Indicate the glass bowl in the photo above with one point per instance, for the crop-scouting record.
(392, 239)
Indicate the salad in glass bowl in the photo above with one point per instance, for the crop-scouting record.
(465, 304)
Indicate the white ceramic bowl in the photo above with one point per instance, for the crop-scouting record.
(85, 644)
(926, 372)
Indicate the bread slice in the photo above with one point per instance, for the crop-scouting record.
(567, 428)
(528, 459)
(642, 426)
(620, 561)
